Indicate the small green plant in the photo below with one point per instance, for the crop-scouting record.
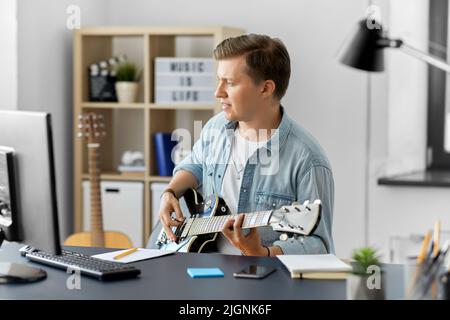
(363, 259)
(127, 71)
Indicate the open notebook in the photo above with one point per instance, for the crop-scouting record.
(315, 266)
(140, 254)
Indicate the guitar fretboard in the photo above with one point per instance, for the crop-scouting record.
(198, 226)
(96, 201)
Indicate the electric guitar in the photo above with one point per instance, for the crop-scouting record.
(91, 129)
(208, 216)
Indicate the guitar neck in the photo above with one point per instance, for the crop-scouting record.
(94, 179)
(198, 226)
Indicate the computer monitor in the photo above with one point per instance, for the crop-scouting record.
(32, 216)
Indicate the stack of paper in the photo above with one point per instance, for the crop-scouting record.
(315, 266)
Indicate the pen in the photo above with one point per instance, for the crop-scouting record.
(424, 266)
(423, 249)
(125, 253)
(447, 256)
(436, 236)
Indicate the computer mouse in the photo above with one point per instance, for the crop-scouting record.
(20, 273)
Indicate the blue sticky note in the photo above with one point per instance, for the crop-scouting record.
(205, 272)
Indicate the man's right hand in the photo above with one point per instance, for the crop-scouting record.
(170, 204)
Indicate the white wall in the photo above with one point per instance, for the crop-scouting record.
(8, 54)
(399, 106)
(45, 79)
(327, 98)
(324, 96)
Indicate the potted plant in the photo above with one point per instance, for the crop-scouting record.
(127, 78)
(366, 281)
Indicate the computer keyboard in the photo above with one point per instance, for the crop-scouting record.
(93, 267)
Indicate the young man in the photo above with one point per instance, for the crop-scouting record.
(254, 155)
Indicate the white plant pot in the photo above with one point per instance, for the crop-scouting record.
(358, 288)
(126, 91)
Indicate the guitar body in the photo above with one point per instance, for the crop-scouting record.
(198, 208)
(199, 232)
(112, 239)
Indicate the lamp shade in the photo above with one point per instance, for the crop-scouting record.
(363, 50)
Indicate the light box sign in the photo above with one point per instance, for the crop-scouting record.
(184, 80)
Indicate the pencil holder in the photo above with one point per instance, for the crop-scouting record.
(420, 282)
(444, 282)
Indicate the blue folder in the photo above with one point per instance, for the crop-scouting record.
(163, 152)
(205, 272)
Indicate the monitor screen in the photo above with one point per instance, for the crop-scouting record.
(29, 135)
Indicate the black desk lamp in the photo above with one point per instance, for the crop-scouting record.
(365, 49)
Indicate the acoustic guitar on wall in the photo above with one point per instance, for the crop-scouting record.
(91, 130)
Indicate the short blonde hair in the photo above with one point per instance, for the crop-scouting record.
(266, 58)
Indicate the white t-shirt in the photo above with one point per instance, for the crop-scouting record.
(241, 150)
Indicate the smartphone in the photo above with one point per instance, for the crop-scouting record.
(254, 272)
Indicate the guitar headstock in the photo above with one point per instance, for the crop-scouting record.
(91, 127)
(297, 218)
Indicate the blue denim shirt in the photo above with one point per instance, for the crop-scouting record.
(290, 167)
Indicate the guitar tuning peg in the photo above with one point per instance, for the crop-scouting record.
(80, 135)
(283, 237)
(306, 202)
(295, 203)
(80, 126)
(97, 134)
(317, 201)
(80, 117)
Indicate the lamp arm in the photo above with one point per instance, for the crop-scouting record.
(414, 52)
(434, 61)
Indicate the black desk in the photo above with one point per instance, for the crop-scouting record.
(166, 278)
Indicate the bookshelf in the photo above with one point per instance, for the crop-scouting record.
(130, 126)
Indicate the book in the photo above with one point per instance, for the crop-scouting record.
(125, 168)
(315, 266)
(320, 275)
(163, 153)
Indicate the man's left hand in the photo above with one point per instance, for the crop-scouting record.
(249, 245)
